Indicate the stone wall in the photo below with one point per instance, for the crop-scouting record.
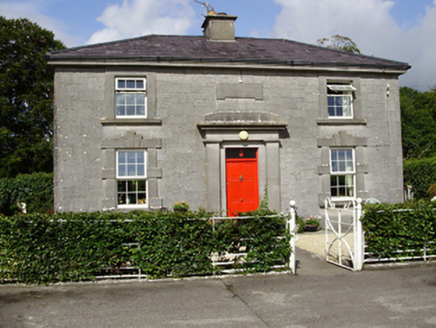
(180, 98)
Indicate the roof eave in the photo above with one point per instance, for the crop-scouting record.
(212, 62)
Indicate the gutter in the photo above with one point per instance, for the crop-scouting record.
(168, 60)
(255, 65)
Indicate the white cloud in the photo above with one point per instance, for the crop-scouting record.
(310, 20)
(418, 47)
(34, 11)
(138, 17)
(368, 23)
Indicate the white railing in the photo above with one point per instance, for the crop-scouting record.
(424, 252)
(292, 228)
(228, 259)
(224, 260)
(233, 258)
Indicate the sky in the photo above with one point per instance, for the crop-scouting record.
(401, 30)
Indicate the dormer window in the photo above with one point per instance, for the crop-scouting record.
(340, 100)
(130, 98)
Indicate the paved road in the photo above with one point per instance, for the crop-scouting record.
(321, 295)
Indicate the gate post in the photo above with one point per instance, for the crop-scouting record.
(291, 227)
(358, 237)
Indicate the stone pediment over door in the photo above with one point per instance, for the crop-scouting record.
(238, 119)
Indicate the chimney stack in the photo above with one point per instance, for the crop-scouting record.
(220, 27)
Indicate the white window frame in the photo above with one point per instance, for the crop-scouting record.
(343, 91)
(136, 177)
(345, 173)
(129, 91)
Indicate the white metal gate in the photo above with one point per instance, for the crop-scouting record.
(343, 233)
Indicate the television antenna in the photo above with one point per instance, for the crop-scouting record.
(208, 7)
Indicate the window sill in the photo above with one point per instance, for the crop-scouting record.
(341, 199)
(131, 121)
(336, 121)
(132, 207)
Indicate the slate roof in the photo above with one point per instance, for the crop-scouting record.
(165, 48)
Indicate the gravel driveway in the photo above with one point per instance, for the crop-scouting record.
(315, 242)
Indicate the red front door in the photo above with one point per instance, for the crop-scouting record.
(241, 180)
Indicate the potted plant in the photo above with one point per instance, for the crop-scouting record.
(181, 206)
(312, 223)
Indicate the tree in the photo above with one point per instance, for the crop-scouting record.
(340, 42)
(418, 123)
(26, 112)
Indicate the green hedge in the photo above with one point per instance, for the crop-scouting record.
(43, 248)
(389, 228)
(420, 174)
(36, 190)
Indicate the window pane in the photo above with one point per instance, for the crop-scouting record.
(334, 186)
(129, 99)
(142, 199)
(121, 186)
(121, 192)
(141, 185)
(122, 170)
(342, 188)
(347, 106)
(131, 170)
(131, 157)
(121, 111)
(122, 155)
(140, 84)
(140, 170)
(140, 157)
(130, 110)
(122, 199)
(121, 98)
(350, 185)
(120, 104)
(341, 155)
(241, 152)
(140, 110)
(121, 84)
(331, 111)
(131, 185)
(140, 99)
(131, 199)
(342, 167)
(130, 84)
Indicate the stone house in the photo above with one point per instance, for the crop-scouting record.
(217, 120)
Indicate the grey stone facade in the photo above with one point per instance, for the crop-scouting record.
(197, 109)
